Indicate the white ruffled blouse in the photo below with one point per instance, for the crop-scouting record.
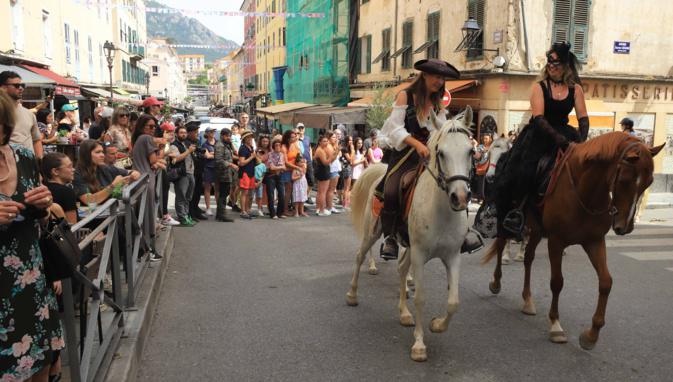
(393, 132)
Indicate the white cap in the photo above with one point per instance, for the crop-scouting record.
(300, 125)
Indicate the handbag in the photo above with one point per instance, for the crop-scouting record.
(60, 250)
(175, 171)
(482, 168)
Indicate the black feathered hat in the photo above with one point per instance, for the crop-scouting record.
(567, 57)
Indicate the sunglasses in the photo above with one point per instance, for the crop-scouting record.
(123, 115)
(17, 86)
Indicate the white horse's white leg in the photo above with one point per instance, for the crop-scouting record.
(522, 249)
(418, 351)
(406, 319)
(372, 264)
(440, 324)
(367, 241)
(505, 259)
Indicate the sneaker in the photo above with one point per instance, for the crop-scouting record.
(260, 213)
(235, 208)
(209, 212)
(335, 211)
(186, 223)
(309, 201)
(245, 216)
(155, 256)
(224, 219)
(324, 213)
(168, 220)
(192, 221)
(274, 217)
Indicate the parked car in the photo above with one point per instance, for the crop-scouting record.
(216, 123)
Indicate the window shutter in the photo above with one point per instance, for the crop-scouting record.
(358, 56)
(571, 24)
(476, 10)
(369, 54)
(562, 15)
(580, 29)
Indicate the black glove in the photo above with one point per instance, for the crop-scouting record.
(542, 124)
(584, 128)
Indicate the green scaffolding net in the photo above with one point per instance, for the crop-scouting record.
(317, 53)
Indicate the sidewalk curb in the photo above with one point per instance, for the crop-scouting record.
(128, 355)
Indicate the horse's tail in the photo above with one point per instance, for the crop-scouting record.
(493, 250)
(361, 194)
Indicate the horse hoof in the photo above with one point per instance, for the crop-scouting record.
(493, 287)
(505, 260)
(419, 354)
(373, 271)
(558, 337)
(436, 325)
(586, 343)
(351, 300)
(406, 320)
(529, 309)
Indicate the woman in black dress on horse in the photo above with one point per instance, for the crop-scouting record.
(552, 99)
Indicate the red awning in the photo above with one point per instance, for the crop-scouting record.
(63, 85)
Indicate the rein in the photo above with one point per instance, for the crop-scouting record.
(440, 178)
(610, 209)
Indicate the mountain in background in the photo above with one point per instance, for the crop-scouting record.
(185, 30)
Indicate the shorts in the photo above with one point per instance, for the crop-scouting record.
(286, 177)
(334, 174)
(260, 191)
(247, 182)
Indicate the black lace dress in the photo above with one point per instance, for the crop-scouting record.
(516, 170)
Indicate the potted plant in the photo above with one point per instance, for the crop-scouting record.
(63, 137)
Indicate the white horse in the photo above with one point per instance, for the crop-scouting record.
(437, 222)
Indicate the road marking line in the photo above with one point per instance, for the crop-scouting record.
(669, 269)
(658, 242)
(645, 256)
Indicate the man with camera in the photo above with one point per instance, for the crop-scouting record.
(181, 154)
(192, 124)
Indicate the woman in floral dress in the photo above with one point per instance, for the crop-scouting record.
(30, 331)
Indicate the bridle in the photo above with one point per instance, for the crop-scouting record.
(442, 181)
(611, 209)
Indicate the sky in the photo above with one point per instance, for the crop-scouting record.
(226, 26)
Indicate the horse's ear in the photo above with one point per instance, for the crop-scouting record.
(655, 150)
(468, 117)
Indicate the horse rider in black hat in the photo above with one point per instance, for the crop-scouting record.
(417, 112)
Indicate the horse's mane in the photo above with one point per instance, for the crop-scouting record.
(450, 126)
(605, 147)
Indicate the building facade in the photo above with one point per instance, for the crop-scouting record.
(192, 64)
(66, 36)
(249, 51)
(166, 77)
(270, 46)
(620, 77)
(130, 38)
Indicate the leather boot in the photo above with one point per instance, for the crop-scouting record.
(389, 249)
(473, 242)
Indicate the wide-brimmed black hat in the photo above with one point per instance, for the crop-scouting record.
(436, 66)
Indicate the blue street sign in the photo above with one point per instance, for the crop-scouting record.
(622, 47)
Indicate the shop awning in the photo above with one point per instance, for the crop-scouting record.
(28, 77)
(323, 117)
(105, 93)
(120, 91)
(63, 87)
(453, 86)
(271, 112)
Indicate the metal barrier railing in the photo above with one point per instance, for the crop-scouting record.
(88, 360)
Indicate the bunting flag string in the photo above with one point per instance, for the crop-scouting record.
(203, 12)
(204, 46)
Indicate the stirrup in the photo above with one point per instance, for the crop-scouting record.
(472, 246)
(389, 249)
(514, 222)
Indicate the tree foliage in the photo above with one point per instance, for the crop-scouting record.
(381, 107)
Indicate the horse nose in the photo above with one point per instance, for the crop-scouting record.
(459, 200)
(454, 199)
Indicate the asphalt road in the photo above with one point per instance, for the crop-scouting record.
(264, 300)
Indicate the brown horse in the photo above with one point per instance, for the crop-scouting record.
(599, 186)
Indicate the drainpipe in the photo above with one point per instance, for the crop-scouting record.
(525, 36)
(395, 40)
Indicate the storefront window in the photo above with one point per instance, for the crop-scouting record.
(667, 163)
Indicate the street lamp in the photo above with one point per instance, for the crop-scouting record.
(110, 51)
(471, 32)
(147, 82)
